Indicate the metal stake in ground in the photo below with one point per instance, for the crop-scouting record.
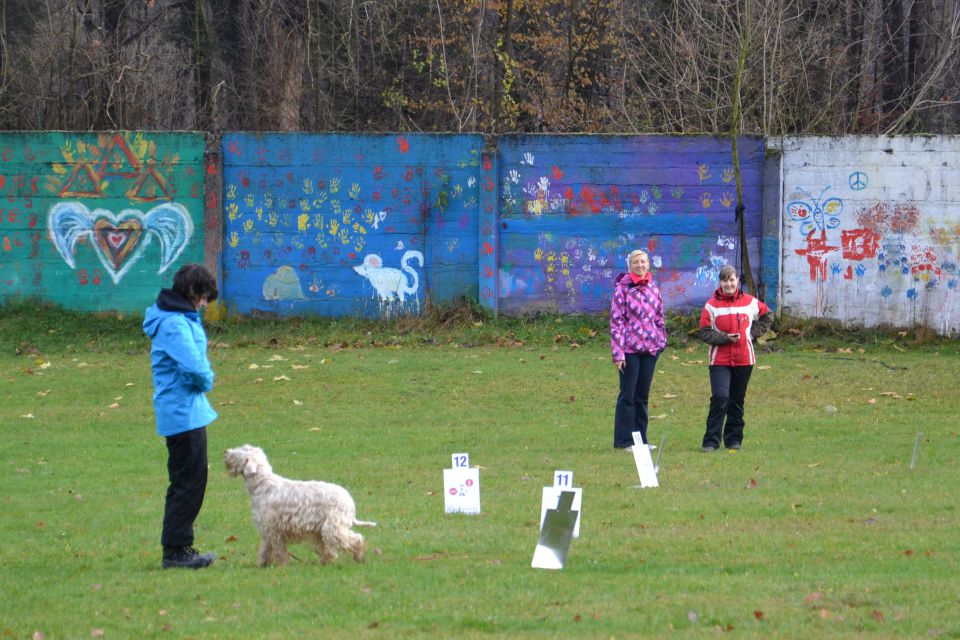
(656, 465)
(916, 450)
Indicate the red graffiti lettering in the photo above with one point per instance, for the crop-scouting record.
(859, 244)
(816, 252)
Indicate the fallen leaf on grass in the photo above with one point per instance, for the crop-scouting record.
(658, 417)
(763, 367)
(27, 415)
(253, 365)
(299, 366)
(669, 396)
(872, 401)
(816, 596)
(693, 617)
(673, 357)
(276, 358)
(96, 633)
(38, 635)
(891, 394)
(758, 614)
(825, 614)
(298, 402)
(115, 405)
(752, 484)
(876, 615)
(279, 378)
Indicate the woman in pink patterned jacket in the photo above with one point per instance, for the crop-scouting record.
(637, 336)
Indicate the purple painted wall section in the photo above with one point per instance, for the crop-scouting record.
(572, 208)
(338, 225)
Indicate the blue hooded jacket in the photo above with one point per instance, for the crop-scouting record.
(178, 358)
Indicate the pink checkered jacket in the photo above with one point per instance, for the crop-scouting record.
(636, 318)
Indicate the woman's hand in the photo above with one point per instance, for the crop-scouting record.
(620, 365)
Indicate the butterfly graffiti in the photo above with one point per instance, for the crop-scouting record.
(120, 239)
(816, 213)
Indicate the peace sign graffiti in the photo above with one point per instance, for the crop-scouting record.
(858, 180)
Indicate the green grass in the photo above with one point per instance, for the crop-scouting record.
(818, 527)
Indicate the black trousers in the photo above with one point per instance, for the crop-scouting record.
(187, 470)
(631, 413)
(728, 388)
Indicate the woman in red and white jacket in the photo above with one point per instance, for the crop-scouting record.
(730, 322)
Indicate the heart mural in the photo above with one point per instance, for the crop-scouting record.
(120, 239)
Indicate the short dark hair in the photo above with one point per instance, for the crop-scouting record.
(194, 281)
(727, 271)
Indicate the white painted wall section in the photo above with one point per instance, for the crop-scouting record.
(871, 230)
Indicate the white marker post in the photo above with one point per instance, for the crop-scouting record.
(641, 455)
(562, 481)
(461, 486)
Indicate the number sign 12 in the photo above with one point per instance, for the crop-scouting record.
(461, 461)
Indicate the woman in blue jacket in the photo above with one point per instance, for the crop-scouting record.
(181, 377)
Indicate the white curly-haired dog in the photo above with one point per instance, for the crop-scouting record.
(286, 511)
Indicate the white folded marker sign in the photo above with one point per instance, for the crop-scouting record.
(461, 486)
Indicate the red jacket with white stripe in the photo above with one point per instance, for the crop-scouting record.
(738, 313)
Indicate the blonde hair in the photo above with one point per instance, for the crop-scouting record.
(636, 252)
(726, 271)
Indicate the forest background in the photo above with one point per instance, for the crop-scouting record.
(768, 67)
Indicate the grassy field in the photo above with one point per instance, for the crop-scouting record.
(818, 527)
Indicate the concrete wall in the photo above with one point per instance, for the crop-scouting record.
(871, 230)
(572, 207)
(98, 221)
(334, 225)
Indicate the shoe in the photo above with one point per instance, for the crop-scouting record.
(630, 448)
(734, 446)
(651, 446)
(186, 558)
(708, 449)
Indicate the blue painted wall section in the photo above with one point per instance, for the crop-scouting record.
(489, 257)
(572, 208)
(333, 225)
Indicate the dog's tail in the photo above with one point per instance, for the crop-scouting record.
(363, 523)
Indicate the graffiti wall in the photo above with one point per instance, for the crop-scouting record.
(871, 230)
(572, 207)
(339, 225)
(98, 221)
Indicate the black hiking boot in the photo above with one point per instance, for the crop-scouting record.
(186, 558)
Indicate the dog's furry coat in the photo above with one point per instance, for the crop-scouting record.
(285, 511)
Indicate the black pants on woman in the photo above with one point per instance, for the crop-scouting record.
(187, 470)
(728, 388)
(631, 414)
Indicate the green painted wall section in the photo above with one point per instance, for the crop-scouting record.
(98, 221)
